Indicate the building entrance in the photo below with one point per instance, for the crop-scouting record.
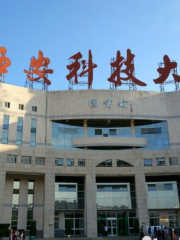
(112, 226)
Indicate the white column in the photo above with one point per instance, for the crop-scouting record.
(91, 209)
(49, 199)
(141, 200)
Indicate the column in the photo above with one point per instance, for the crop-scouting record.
(141, 200)
(85, 131)
(2, 192)
(49, 199)
(132, 131)
(91, 209)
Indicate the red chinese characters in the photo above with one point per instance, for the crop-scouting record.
(4, 61)
(164, 72)
(86, 68)
(36, 64)
(118, 64)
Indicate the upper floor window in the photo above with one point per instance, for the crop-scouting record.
(40, 161)
(81, 162)
(59, 161)
(19, 131)
(26, 160)
(70, 162)
(11, 158)
(21, 106)
(5, 130)
(7, 104)
(33, 133)
(173, 161)
(148, 162)
(121, 163)
(106, 163)
(160, 161)
(34, 108)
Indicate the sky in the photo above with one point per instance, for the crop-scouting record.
(62, 28)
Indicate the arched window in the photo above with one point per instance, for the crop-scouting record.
(106, 163)
(121, 163)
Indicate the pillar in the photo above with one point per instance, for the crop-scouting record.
(91, 209)
(49, 198)
(141, 200)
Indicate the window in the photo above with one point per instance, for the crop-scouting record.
(59, 161)
(21, 106)
(31, 184)
(70, 162)
(154, 219)
(148, 162)
(106, 163)
(150, 130)
(26, 160)
(121, 163)
(16, 184)
(34, 108)
(67, 188)
(160, 161)
(40, 161)
(11, 158)
(5, 131)
(7, 104)
(151, 187)
(98, 131)
(81, 162)
(173, 161)
(19, 131)
(33, 133)
(112, 132)
(168, 186)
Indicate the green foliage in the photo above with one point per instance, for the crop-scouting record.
(33, 229)
(4, 229)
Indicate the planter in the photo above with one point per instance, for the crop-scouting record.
(68, 236)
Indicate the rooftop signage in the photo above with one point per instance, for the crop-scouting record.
(122, 69)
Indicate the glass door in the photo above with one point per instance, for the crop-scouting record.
(112, 226)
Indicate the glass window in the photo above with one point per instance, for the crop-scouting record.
(21, 106)
(173, 161)
(26, 160)
(16, 184)
(40, 161)
(11, 158)
(34, 108)
(59, 161)
(70, 162)
(98, 131)
(81, 162)
(148, 162)
(121, 163)
(106, 163)
(31, 184)
(112, 132)
(30, 200)
(168, 186)
(15, 200)
(7, 104)
(151, 187)
(160, 161)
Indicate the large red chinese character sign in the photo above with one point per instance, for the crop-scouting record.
(39, 67)
(87, 69)
(165, 71)
(117, 66)
(4, 63)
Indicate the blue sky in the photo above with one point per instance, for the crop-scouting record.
(61, 28)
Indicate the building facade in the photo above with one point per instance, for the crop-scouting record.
(76, 161)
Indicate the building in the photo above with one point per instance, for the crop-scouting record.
(75, 161)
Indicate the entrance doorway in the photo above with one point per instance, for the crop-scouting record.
(112, 226)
